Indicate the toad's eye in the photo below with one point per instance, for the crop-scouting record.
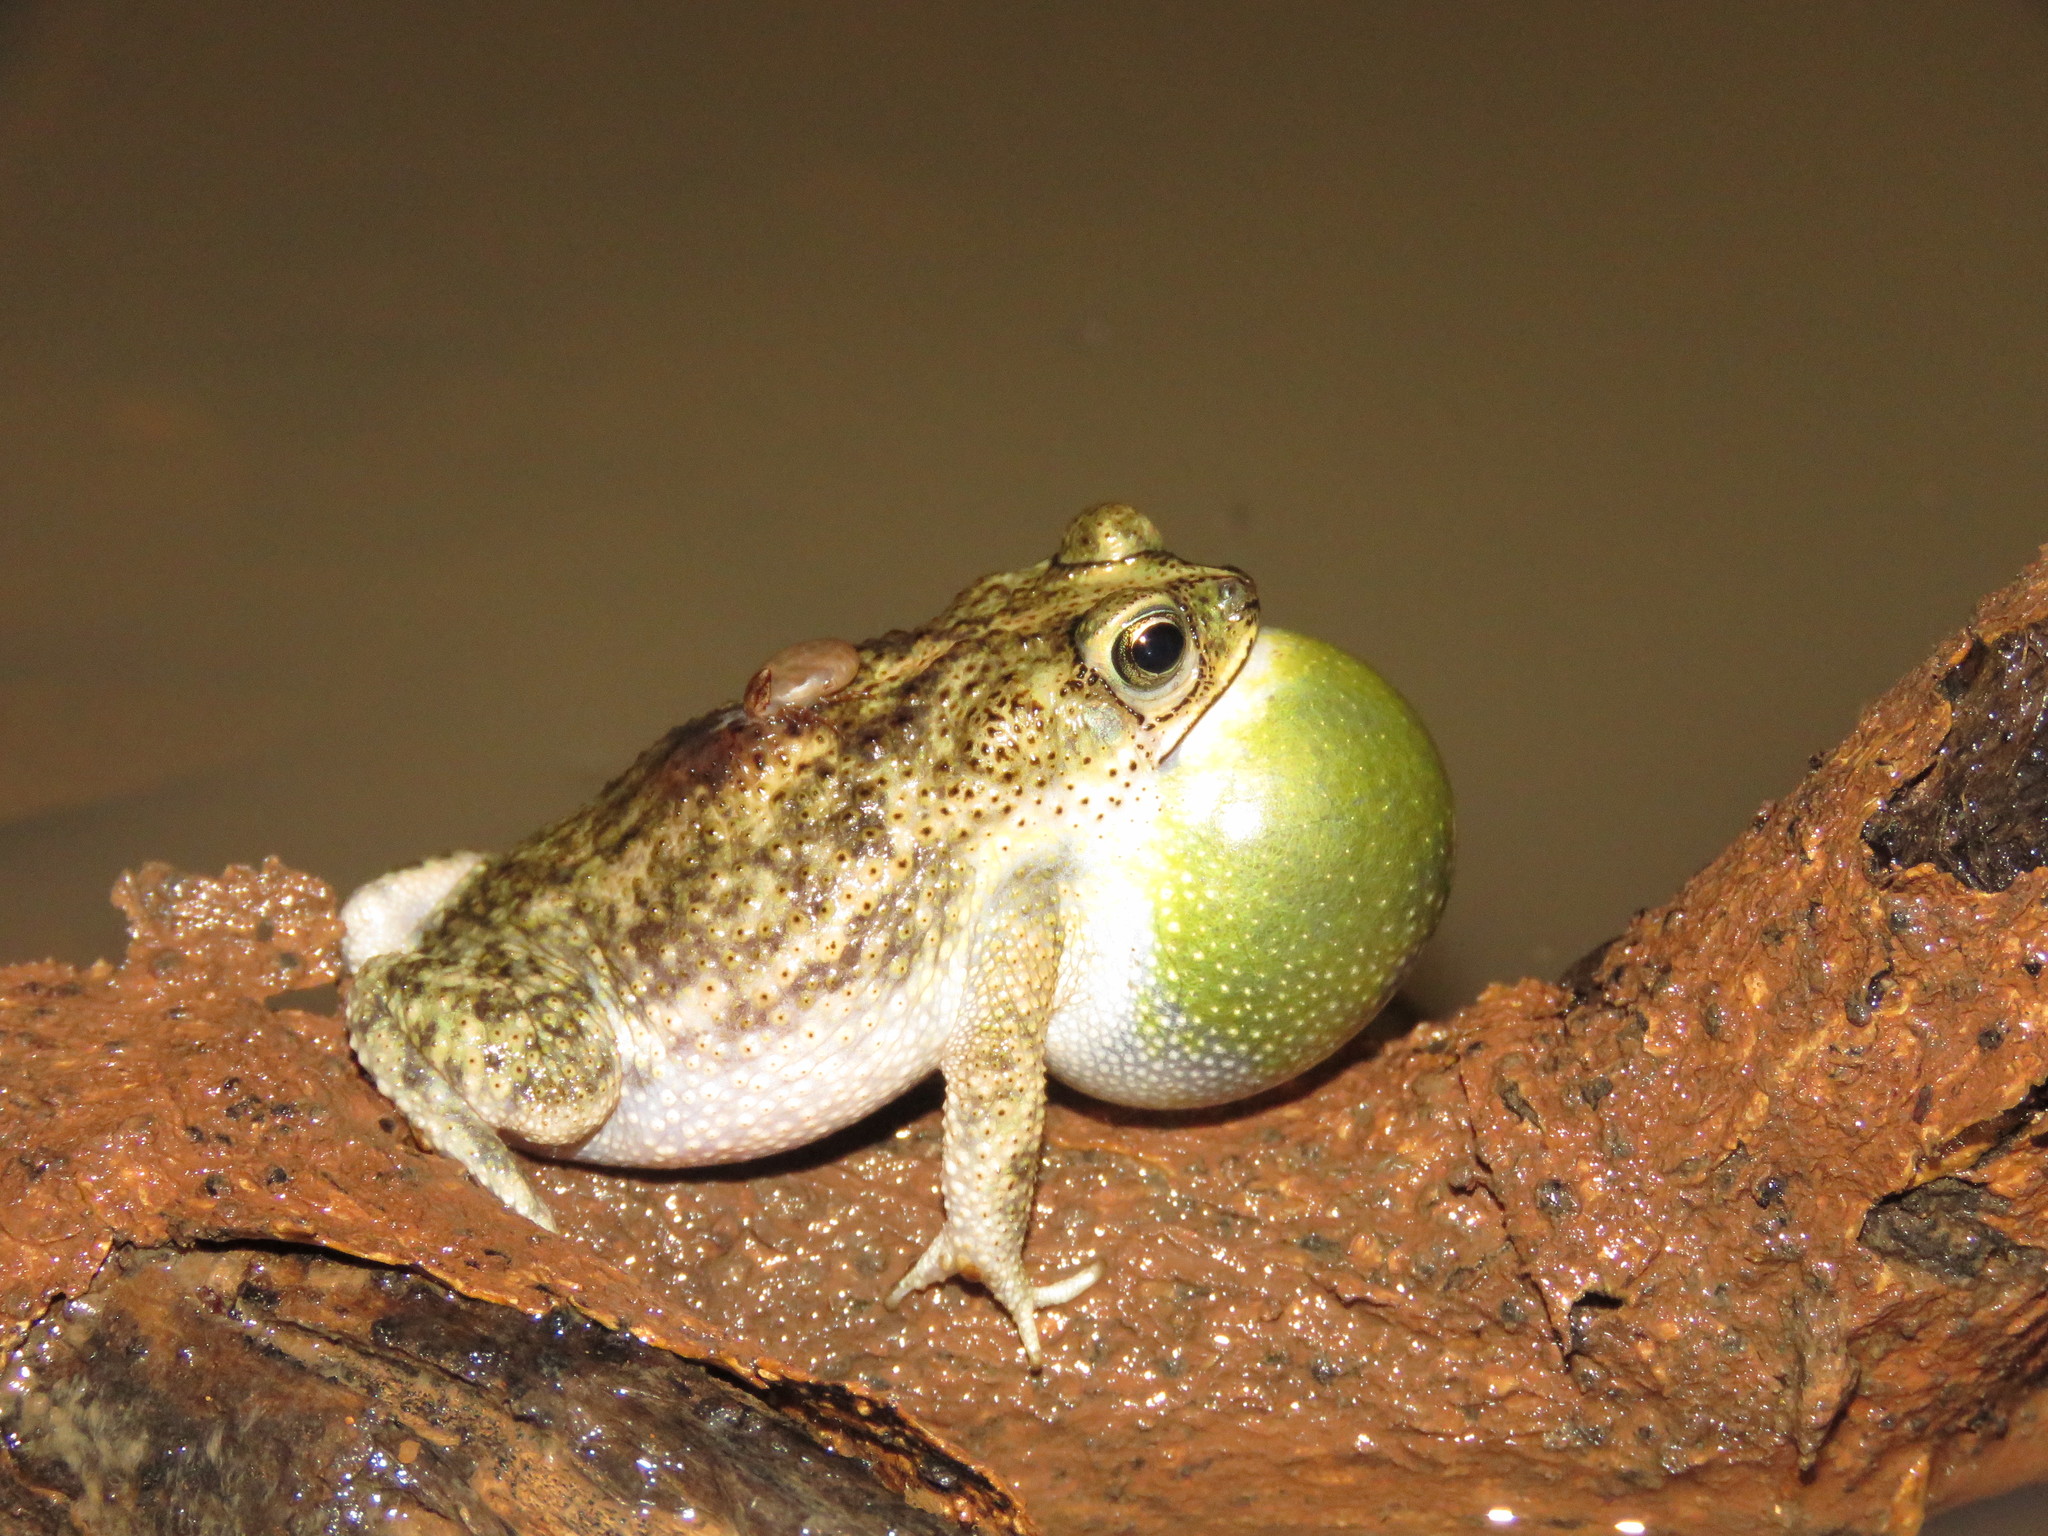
(1146, 648)
(1149, 650)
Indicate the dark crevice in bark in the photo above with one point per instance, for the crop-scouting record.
(1979, 810)
(1937, 1228)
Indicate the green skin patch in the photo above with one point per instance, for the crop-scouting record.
(1301, 857)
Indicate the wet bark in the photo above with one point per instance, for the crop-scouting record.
(245, 1389)
(1740, 1225)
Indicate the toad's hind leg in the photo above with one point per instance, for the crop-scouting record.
(525, 1049)
(994, 1066)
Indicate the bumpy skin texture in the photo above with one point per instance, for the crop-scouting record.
(943, 848)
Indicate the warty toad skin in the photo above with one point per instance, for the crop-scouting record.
(1088, 821)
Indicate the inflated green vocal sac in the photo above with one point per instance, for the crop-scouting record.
(1089, 821)
(1301, 856)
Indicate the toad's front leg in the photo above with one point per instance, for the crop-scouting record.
(994, 1066)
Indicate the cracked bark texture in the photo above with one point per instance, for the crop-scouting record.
(1739, 1226)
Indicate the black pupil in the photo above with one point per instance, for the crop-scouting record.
(1156, 646)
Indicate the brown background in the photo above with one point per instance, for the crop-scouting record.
(407, 411)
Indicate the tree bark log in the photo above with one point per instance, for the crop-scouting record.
(1738, 1226)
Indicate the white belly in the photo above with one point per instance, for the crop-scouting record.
(693, 1096)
